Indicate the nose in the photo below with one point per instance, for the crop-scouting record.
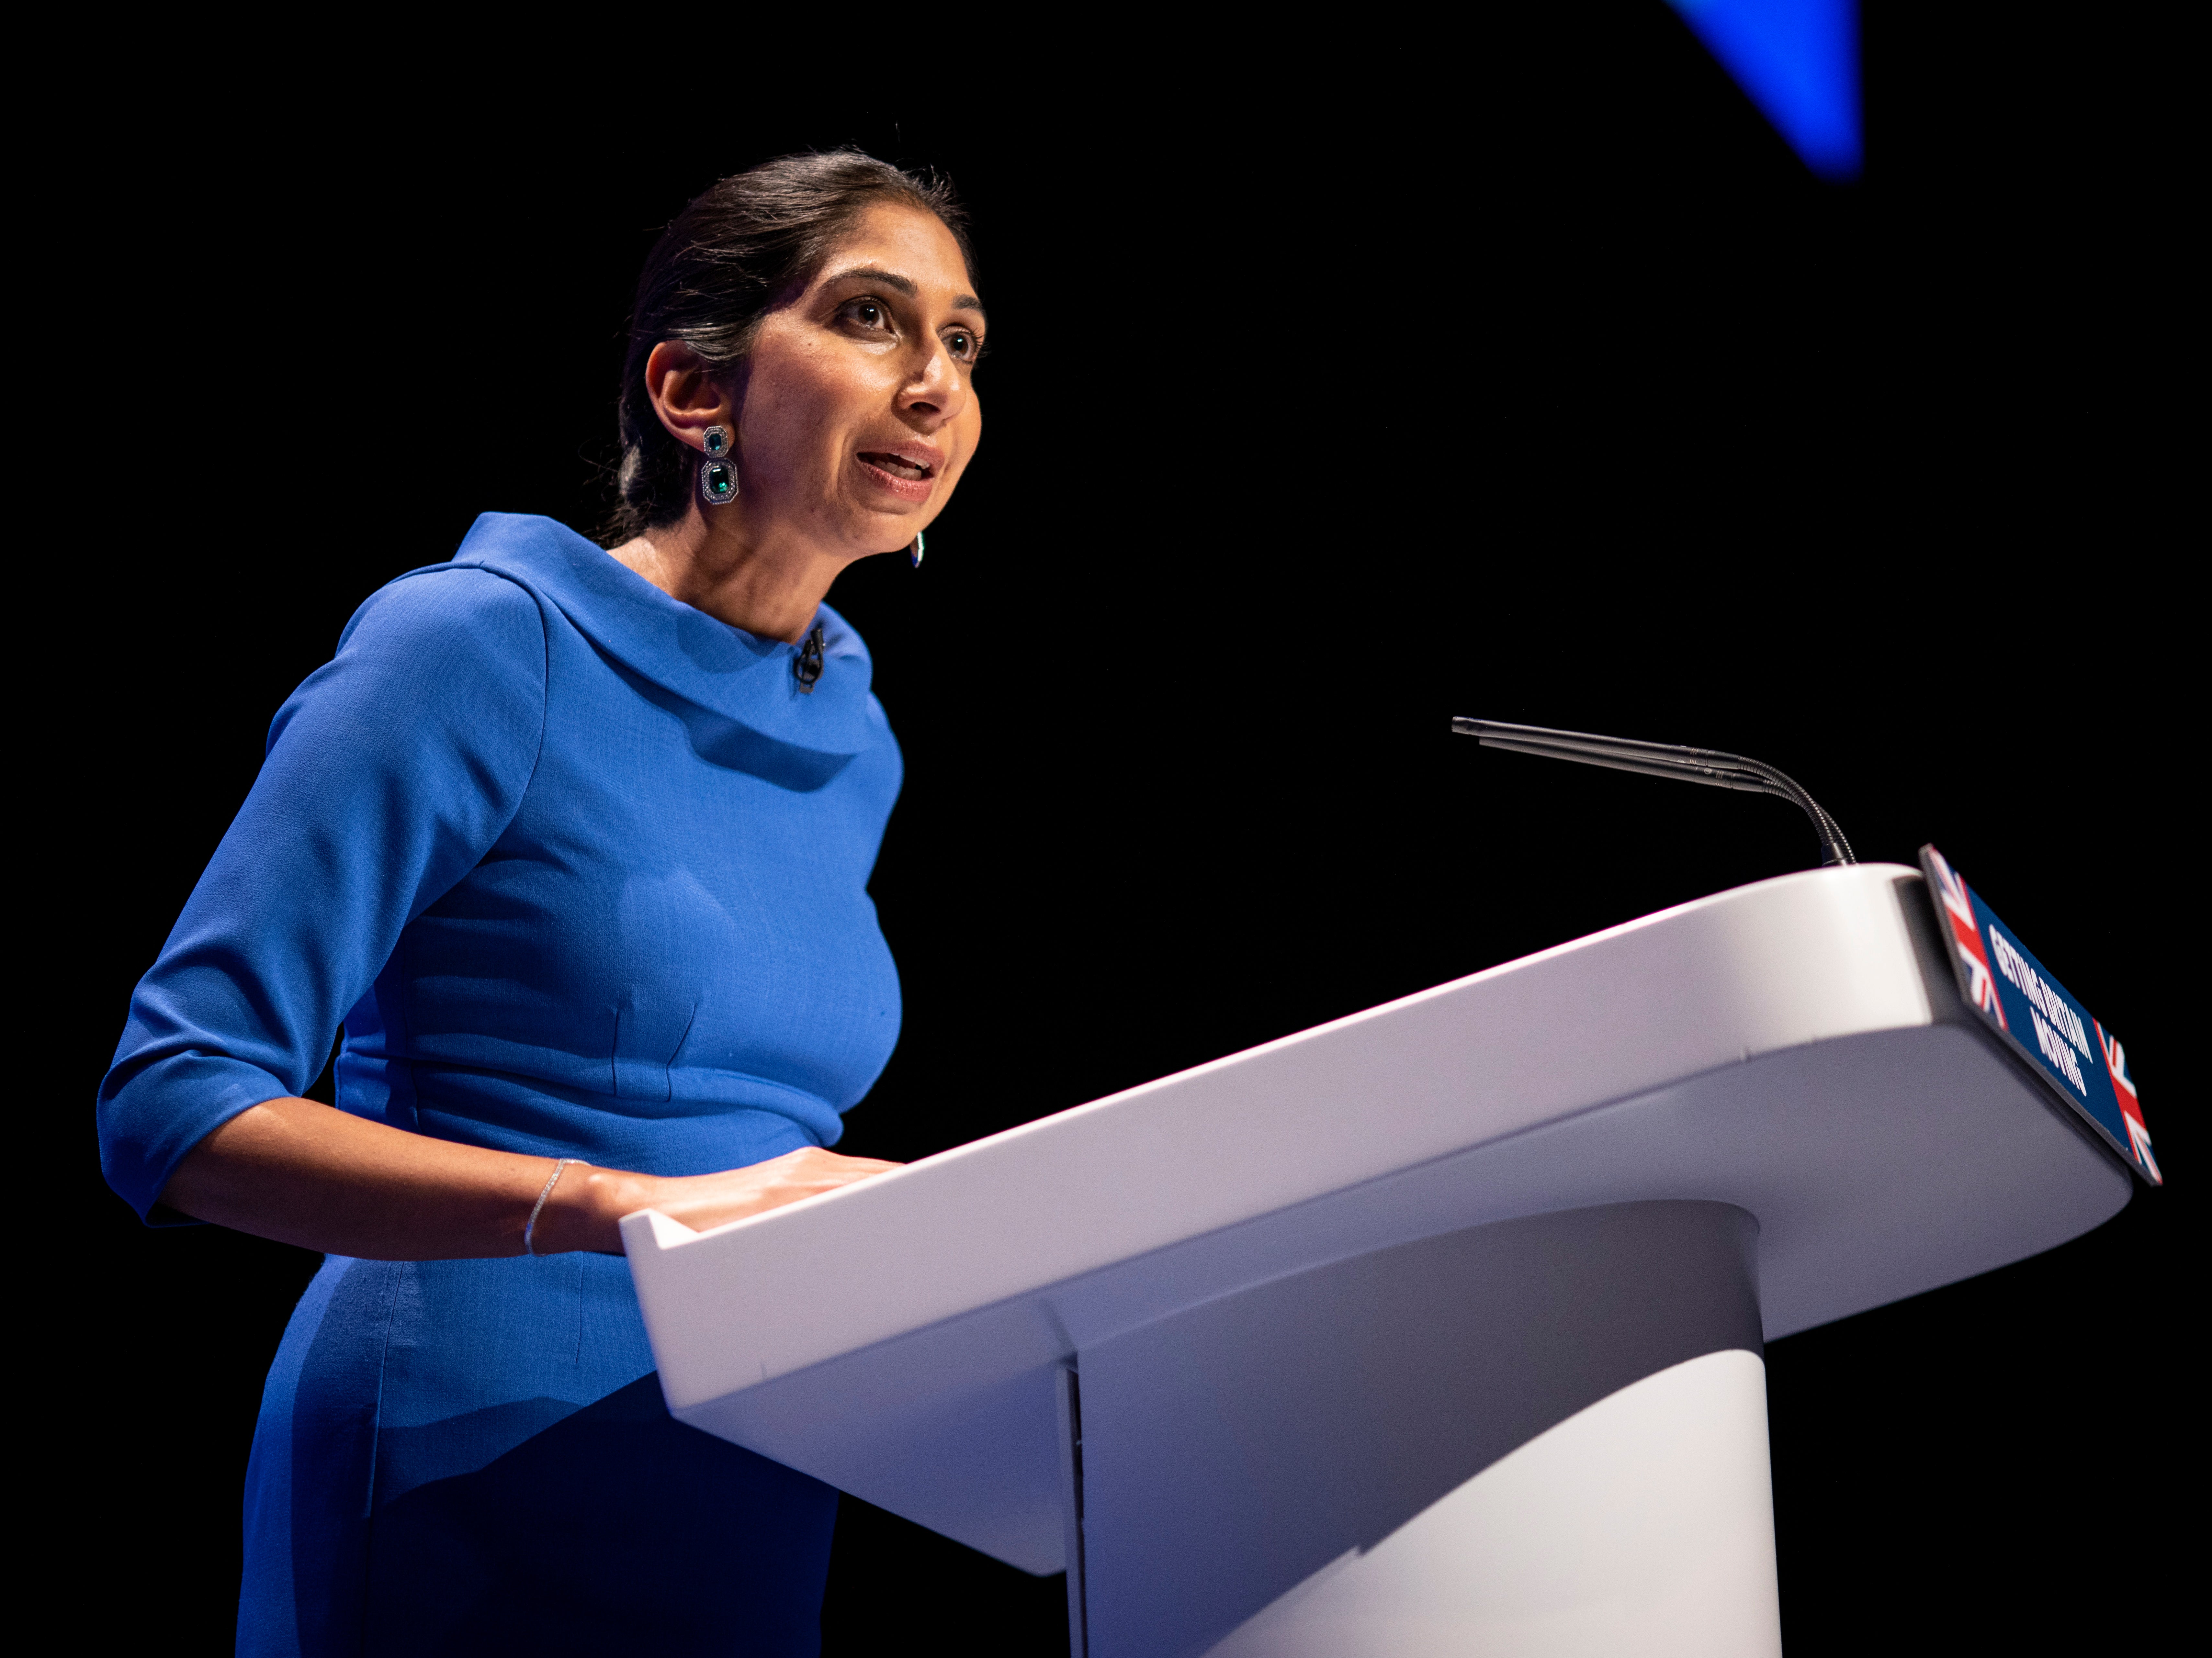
(936, 390)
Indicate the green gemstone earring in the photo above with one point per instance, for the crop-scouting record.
(914, 551)
(718, 479)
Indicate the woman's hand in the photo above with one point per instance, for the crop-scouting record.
(587, 1215)
(303, 1173)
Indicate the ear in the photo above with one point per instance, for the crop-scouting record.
(684, 395)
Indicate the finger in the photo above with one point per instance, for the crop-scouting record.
(848, 1176)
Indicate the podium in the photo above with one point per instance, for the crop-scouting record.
(1435, 1329)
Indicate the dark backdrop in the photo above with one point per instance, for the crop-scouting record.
(1330, 393)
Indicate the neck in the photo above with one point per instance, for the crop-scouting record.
(768, 585)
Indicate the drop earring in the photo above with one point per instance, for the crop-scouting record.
(718, 479)
(914, 551)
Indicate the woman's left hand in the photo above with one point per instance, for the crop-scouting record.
(587, 1205)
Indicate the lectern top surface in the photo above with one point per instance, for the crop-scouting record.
(1794, 1046)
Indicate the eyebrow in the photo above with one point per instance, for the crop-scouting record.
(893, 280)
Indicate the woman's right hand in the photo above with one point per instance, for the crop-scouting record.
(587, 1215)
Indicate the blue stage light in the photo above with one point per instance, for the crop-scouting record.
(1799, 61)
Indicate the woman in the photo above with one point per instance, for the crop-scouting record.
(576, 843)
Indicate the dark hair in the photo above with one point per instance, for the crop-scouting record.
(738, 249)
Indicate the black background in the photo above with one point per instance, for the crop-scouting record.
(1333, 390)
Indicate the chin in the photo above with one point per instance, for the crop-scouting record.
(882, 534)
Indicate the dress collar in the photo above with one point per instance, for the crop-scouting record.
(720, 671)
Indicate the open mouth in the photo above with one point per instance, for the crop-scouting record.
(897, 466)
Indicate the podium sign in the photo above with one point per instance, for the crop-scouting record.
(2083, 1063)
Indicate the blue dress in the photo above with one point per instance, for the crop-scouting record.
(583, 870)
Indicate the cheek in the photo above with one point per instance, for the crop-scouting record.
(784, 417)
(801, 400)
(970, 427)
(784, 402)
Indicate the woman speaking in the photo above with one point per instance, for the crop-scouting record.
(576, 843)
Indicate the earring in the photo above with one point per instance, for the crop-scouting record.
(718, 479)
(914, 551)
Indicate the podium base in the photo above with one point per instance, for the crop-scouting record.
(1643, 1524)
(1523, 1437)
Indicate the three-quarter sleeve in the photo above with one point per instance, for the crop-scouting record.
(389, 773)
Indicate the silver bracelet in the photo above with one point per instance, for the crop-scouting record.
(531, 1225)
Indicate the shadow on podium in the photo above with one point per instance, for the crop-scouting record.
(896, 1587)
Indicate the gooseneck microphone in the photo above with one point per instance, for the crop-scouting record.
(1710, 766)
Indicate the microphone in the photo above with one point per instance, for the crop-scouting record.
(806, 666)
(1709, 766)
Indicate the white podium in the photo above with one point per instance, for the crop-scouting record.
(1436, 1329)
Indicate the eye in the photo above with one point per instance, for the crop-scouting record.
(865, 314)
(963, 345)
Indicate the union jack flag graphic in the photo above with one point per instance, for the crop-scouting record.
(2124, 1090)
(1959, 910)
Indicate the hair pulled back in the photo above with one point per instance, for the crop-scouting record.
(724, 261)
